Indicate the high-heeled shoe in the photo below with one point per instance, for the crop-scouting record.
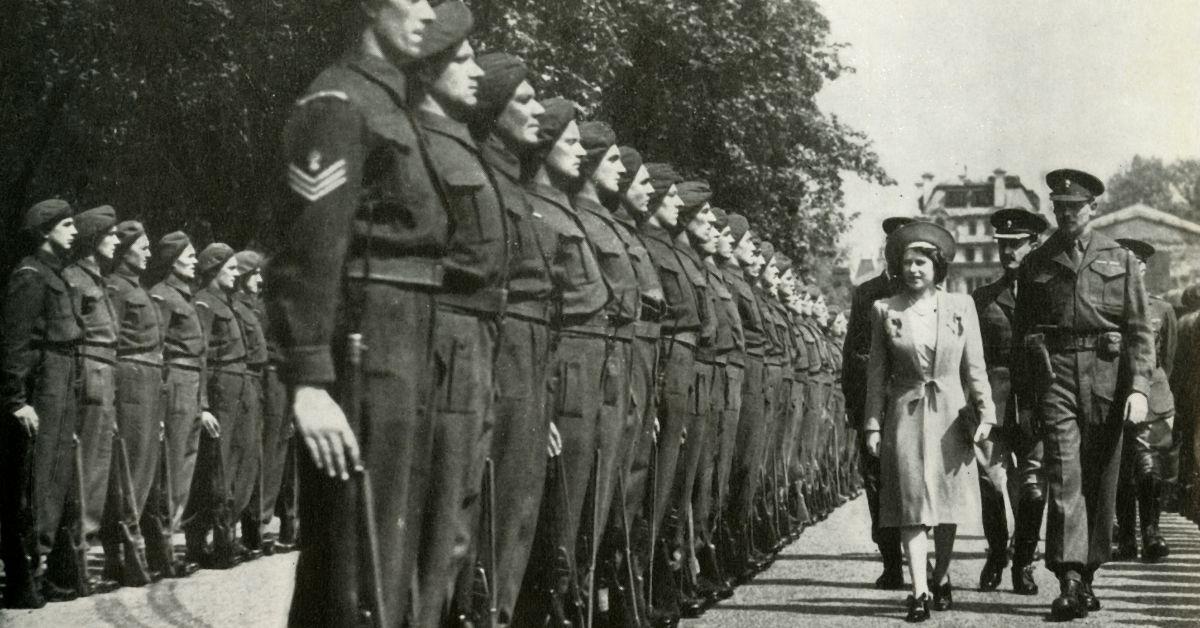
(943, 596)
(918, 608)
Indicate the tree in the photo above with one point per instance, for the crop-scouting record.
(1173, 188)
(171, 111)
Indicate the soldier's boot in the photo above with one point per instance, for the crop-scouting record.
(1023, 581)
(21, 588)
(225, 552)
(712, 574)
(1154, 546)
(664, 595)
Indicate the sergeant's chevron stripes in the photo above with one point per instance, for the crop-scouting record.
(314, 187)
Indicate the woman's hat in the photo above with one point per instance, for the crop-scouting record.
(918, 233)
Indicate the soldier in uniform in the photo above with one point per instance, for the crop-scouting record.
(219, 489)
(774, 364)
(1082, 323)
(506, 128)
(1148, 444)
(854, 380)
(1016, 232)
(1187, 402)
(252, 431)
(96, 244)
(38, 366)
(364, 236)
(185, 382)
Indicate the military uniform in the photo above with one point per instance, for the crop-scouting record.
(41, 335)
(364, 238)
(252, 430)
(731, 341)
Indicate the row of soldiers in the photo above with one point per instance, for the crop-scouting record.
(141, 397)
(540, 380)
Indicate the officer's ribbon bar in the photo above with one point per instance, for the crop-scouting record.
(315, 186)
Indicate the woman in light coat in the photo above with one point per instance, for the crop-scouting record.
(928, 402)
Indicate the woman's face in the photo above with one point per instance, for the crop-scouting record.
(916, 268)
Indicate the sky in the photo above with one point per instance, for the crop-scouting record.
(944, 86)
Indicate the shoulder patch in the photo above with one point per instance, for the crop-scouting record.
(327, 93)
(203, 305)
(157, 297)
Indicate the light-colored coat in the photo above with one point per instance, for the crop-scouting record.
(927, 458)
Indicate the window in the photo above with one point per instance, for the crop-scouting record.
(983, 198)
(956, 198)
(974, 228)
(970, 251)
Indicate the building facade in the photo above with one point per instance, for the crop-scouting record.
(1176, 264)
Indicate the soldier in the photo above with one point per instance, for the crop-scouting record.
(854, 380)
(40, 336)
(219, 488)
(1016, 232)
(774, 363)
(253, 430)
(791, 437)
(361, 226)
(1081, 313)
(1187, 401)
(586, 368)
(507, 129)
(1148, 444)
(96, 244)
(186, 387)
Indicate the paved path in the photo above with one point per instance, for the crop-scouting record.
(826, 578)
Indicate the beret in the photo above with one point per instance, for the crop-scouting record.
(596, 138)
(559, 113)
(213, 257)
(170, 247)
(128, 231)
(720, 219)
(632, 160)
(738, 226)
(503, 72)
(93, 222)
(1012, 223)
(1067, 184)
(782, 262)
(813, 291)
(248, 261)
(451, 24)
(918, 232)
(46, 214)
(662, 177)
(893, 223)
(694, 193)
(767, 250)
(1143, 250)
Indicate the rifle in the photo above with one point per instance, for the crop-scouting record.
(566, 606)
(79, 542)
(652, 509)
(590, 577)
(136, 568)
(487, 574)
(630, 585)
(375, 614)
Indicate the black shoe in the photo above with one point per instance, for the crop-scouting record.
(943, 596)
(54, 593)
(1154, 547)
(993, 571)
(892, 578)
(1068, 605)
(1088, 598)
(182, 569)
(26, 597)
(101, 584)
(1125, 550)
(1023, 581)
(918, 608)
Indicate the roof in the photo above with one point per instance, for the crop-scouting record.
(1145, 212)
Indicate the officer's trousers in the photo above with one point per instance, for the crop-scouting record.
(276, 437)
(518, 450)
(1143, 460)
(395, 436)
(993, 461)
(97, 423)
(463, 413)
(886, 539)
(1082, 465)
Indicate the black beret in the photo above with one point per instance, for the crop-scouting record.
(694, 195)
(782, 262)
(1143, 250)
(918, 232)
(1013, 223)
(720, 219)
(502, 74)
(170, 247)
(893, 223)
(738, 226)
(128, 231)
(632, 160)
(596, 138)
(93, 222)
(249, 261)
(559, 114)
(1067, 184)
(662, 177)
(451, 25)
(767, 250)
(44, 215)
(213, 257)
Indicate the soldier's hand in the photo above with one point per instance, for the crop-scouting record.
(554, 444)
(1136, 408)
(983, 432)
(210, 424)
(28, 419)
(326, 432)
(873, 443)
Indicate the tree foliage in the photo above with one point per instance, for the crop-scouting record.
(1173, 187)
(170, 110)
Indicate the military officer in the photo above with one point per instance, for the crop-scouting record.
(506, 128)
(40, 336)
(1017, 232)
(96, 244)
(1082, 322)
(1147, 445)
(361, 224)
(854, 380)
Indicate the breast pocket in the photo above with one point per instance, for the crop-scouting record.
(575, 259)
(1108, 284)
(90, 301)
(463, 189)
(672, 285)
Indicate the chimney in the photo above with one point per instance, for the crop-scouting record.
(927, 189)
(998, 196)
(920, 196)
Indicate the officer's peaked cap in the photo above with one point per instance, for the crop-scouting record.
(1013, 223)
(1067, 184)
(1143, 250)
(893, 223)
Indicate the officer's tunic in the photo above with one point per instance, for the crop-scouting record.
(364, 236)
(1080, 315)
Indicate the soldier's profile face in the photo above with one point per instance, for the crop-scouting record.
(518, 122)
(770, 274)
(567, 153)
(1072, 217)
(725, 243)
(1013, 250)
(62, 235)
(607, 175)
(253, 282)
(745, 252)
(458, 83)
(708, 242)
(787, 283)
(185, 264)
(667, 211)
(637, 197)
(227, 277)
(839, 325)
(399, 25)
(106, 246)
(138, 255)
